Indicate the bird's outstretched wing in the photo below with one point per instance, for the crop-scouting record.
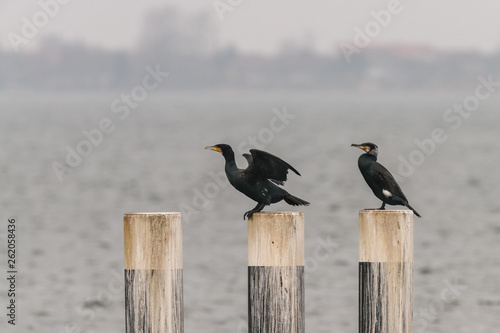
(267, 166)
(249, 158)
(384, 179)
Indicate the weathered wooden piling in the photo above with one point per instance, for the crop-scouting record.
(385, 271)
(153, 273)
(276, 273)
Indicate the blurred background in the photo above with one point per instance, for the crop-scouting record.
(106, 109)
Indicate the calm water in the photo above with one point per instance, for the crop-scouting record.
(70, 232)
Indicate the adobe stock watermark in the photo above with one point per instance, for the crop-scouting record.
(372, 29)
(121, 107)
(225, 6)
(48, 9)
(322, 252)
(449, 294)
(453, 118)
(203, 196)
(89, 311)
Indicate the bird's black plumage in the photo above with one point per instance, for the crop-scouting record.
(260, 179)
(380, 180)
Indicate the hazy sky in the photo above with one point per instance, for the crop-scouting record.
(264, 26)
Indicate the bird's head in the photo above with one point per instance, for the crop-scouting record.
(222, 148)
(369, 147)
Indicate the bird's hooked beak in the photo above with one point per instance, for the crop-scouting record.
(365, 148)
(214, 148)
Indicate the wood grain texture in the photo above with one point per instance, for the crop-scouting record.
(154, 301)
(385, 297)
(276, 239)
(153, 273)
(153, 240)
(276, 273)
(385, 271)
(276, 299)
(386, 236)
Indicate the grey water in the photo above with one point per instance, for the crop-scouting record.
(69, 222)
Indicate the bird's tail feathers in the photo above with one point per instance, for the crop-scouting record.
(414, 211)
(294, 201)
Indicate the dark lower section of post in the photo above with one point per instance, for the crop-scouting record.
(276, 299)
(381, 307)
(154, 301)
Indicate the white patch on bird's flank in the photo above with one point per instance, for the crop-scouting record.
(387, 193)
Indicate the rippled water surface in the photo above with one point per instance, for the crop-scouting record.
(70, 232)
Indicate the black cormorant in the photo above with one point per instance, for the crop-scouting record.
(379, 179)
(260, 179)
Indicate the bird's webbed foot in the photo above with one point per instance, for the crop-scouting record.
(248, 214)
(258, 208)
(381, 208)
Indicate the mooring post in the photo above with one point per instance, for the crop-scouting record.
(385, 271)
(153, 273)
(276, 273)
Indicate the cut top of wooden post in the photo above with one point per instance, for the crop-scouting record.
(386, 236)
(153, 240)
(276, 239)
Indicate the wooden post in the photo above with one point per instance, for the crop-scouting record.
(153, 273)
(276, 273)
(385, 271)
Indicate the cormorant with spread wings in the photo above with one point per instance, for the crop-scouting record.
(260, 180)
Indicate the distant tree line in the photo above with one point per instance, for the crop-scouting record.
(184, 47)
